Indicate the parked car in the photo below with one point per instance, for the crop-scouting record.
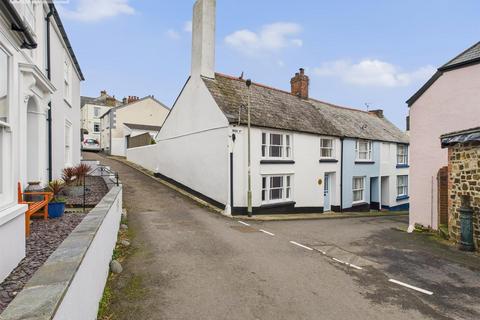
(91, 145)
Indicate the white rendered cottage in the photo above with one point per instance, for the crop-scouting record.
(39, 111)
(306, 155)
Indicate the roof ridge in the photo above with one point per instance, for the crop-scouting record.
(458, 56)
(289, 93)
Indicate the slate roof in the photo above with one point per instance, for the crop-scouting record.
(99, 101)
(277, 109)
(143, 127)
(472, 54)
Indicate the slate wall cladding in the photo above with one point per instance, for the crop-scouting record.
(464, 180)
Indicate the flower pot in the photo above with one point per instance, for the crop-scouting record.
(56, 209)
(34, 186)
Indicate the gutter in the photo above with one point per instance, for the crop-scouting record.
(49, 75)
(18, 25)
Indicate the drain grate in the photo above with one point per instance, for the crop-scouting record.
(244, 229)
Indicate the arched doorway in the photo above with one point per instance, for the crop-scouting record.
(35, 119)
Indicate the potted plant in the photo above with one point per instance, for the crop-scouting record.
(56, 207)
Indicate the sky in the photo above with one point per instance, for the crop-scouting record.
(374, 53)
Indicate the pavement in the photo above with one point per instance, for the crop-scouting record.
(189, 262)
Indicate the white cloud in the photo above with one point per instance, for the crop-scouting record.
(372, 72)
(172, 34)
(271, 37)
(187, 27)
(95, 10)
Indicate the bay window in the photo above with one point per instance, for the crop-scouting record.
(402, 154)
(6, 196)
(326, 148)
(3, 87)
(276, 188)
(276, 146)
(358, 189)
(363, 150)
(402, 186)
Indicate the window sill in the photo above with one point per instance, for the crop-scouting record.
(399, 198)
(278, 204)
(402, 166)
(364, 162)
(328, 160)
(277, 162)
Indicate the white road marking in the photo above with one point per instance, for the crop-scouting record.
(411, 287)
(269, 233)
(245, 224)
(301, 245)
(348, 264)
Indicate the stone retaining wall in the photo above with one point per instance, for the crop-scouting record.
(70, 284)
(464, 180)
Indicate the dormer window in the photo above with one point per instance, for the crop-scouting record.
(363, 150)
(276, 146)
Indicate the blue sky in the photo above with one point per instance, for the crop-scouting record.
(356, 52)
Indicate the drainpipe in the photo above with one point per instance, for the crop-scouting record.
(49, 75)
(249, 192)
(341, 174)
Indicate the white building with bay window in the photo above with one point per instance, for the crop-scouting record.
(39, 111)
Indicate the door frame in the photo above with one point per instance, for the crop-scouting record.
(327, 187)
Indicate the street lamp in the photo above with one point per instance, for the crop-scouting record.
(249, 192)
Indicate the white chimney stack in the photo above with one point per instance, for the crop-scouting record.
(203, 38)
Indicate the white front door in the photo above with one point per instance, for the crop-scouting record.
(327, 194)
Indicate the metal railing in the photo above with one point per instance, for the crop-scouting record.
(104, 172)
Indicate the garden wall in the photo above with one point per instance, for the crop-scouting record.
(70, 284)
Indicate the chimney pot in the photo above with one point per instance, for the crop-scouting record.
(300, 83)
(103, 93)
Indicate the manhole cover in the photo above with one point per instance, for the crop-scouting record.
(244, 229)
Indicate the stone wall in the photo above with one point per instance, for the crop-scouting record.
(464, 180)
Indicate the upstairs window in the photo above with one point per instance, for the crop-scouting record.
(67, 74)
(402, 154)
(402, 186)
(326, 148)
(68, 144)
(96, 112)
(276, 189)
(276, 146)
(3, 87)
(364, 150)
(29, 13)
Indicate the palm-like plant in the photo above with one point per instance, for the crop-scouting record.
(81, 172)
(56, 187)
(68, 175)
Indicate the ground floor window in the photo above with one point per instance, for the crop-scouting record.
(96, 127)
(358, 189)
(402, 186)
(276, 188)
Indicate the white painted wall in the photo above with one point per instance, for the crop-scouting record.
(118, 147)
(86, 290)
(388, 168)
(12, 239)
(450, 104)
(306, 171)
(88, 119)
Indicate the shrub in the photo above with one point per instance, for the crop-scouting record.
(68, 175)
(81, 172)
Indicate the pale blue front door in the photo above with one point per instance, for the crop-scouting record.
(326, 193)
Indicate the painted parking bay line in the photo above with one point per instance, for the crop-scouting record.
(411, 287)
(266, 232)
(244, 223)
(347, 264)
(301, 245)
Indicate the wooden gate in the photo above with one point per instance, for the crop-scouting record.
(442, 182)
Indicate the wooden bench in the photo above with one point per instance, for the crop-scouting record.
(35, 209)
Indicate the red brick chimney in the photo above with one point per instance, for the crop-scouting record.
(132, 99)
(300, 84)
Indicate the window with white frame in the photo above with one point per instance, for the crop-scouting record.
(96, 127)
(96, 112)
(402, 186)
(327, 148)
(402, 154)
(67, 85)
(358, 189)
(276, 146)
(363, 150)
(3, 86)
(68, 143)
(276, 188)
